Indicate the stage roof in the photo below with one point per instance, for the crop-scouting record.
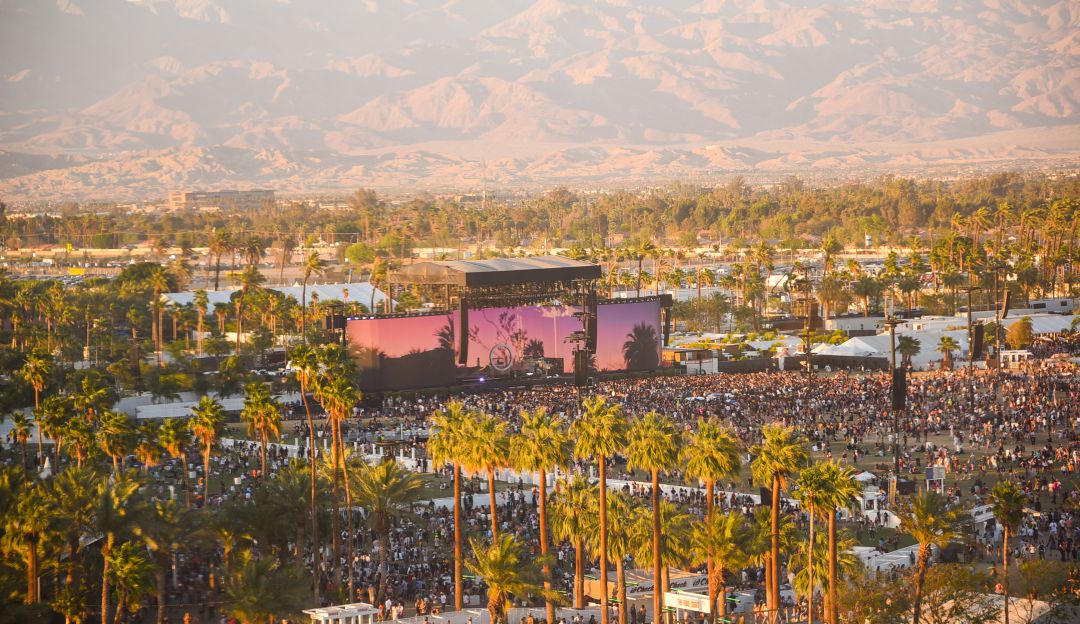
(497, 272)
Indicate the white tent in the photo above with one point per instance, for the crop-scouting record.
(359, 292)
(878, 346)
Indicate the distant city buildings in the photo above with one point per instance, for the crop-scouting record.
(220, 200)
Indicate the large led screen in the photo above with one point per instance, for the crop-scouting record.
(422, 351)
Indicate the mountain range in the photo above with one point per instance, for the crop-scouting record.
(128, 99)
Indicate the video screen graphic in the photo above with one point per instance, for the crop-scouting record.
(421, 351)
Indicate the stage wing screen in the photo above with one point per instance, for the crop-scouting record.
(628, 336)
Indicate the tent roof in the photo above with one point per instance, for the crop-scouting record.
(358, 291)
(497, 272)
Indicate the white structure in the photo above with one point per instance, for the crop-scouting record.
(356, 613)
(879, 346)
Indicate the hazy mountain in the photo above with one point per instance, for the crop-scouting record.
(124, 98)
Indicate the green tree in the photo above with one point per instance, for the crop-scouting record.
(720, 542)
(206, 423)
(259, 590)
(304, 363)
(933, 525)
(116, 436)
(1008, 501)
(507, 572)
(571, 507)
(599, 434)
(19, 433)
(947, 345)
(840, 491)
(908, 347)
(811, 491)
(130, 572)
(711, 453)
(486, 448)
(24, 528)
(313, 265)
(653, 445)
(781, 454)
(175, 436)
(263, 417)
(36, 371)
(542, 445)
(1020, 334)
(388, 492)
(448, 431)
(116, 504)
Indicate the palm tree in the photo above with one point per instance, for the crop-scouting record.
(130, 571)
(543, 444)
(653, 445)
(338, 397)
(645, 248)
(165, 529)
(313, 265)
(206, 423)
(447, 437)
(147, 445)
(933, 525)
(805, 577)
(908, 347)
(175, 436)
(571, 507)
(23, 530)
(947, 345)
(36, 371)
(286, 245)
(811, 492)
(116, 437)
(20, 434)
(640, 352)
(711, 454)
(201, 302)
(829, 248)
(675, 551)
(387, 491)
(720, 542)
(250, 280)
(599, 434)
(263, 417)
(259, 590)
(623, 511)
(781, 454)
(487, 447)
(305, 365)
(70, 497)
(220, 244)
(507, 572)
(159, 282)
(840, 490)
(115, 504)
(1008, 501)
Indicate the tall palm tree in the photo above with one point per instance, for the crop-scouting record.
(220, 244)
(571, 507)
(206, 423)
(646, 248)
(338, 396)
(263, 417)
(599, 434)
(305, 365)
(947, 345)
(250, 280)
(313, 265)
(1008, 501)
(447, 438)
(781, 454)
(20, 434)
(175, 436)
(387, 491)
(116, 436)
(130, 572)
(653, 444)
(201, 302)
(507, 571)
(116, 504)
(675, 551)
(286, 246)
(542, 445)
(24, 529)
(165, 528)
(711, 453)
(623, 511)
(933, 525)
(259, 590)
(159, 282)
(908, 347)
(487, 448)
(720, 542)
(841, 490)
(811, 492)
(36, 371)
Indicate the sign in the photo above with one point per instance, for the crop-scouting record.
(687, 602)
(935, 473)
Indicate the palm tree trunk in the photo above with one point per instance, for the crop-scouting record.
(721, 606)
(315, 547)
(349, 542)
(187, 481)
(810, 570)
(579, 574)
(710, 565)
(31, 571)
(658, 598)
(1005, 573)
(303, 309)
(159, 582)
(384, 563)
(548, 605)
(335, 534)
(602, 464)
(832, 567)
(262, 457)
(105, 579)
(491, 502)
(620, 580)
(920, 578)
(459, 602)
(774, 579)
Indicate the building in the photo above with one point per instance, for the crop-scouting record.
(220, 200)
